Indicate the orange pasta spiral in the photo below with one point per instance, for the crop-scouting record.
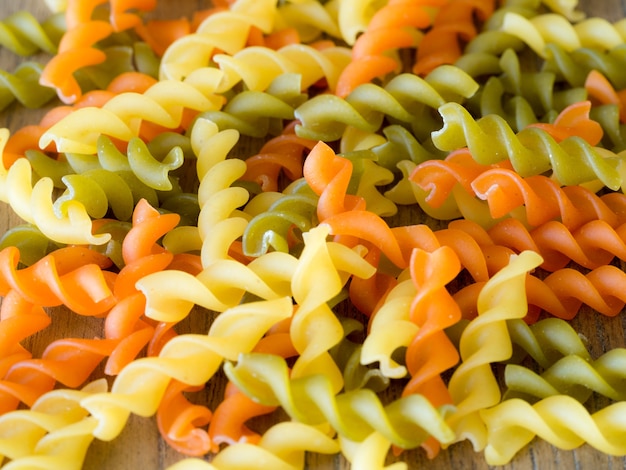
(397, 25)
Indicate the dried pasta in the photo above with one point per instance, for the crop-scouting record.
(325, 117)
(406, 422)
(351, 227)
(531, 151)
(24, 35)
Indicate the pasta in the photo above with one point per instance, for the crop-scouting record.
(24, 35)
(358, 228)
(325, 117)
(472, 385)
(460, 130)
(412, 412)
(23, 86)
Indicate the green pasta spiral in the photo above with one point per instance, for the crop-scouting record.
(406, 422)
(24, 35)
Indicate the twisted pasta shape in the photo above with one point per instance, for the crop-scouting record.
(574, 66)
(397, 25)
(251, 113)
(29, 378)
(276, 226)
(71, 276)
(257, 67)
(121, 116)
(560, 420)
(23, 86)
(142, 256)
(281, 446)
(445, 188)
(111, 179)
(520, 94)
(542, 198)
(371, 452)
(21, 33)
(347, 355)
(56, 417)
(557, 29)
(283, 154)
(310, 19)
(69, 224)
(484, 340)
(329, 177)
(431, 353)
(223, 30)
(312, 291)
(406, 98)
(546, 341)
(531, 151)
(406, 422)
(571, 375)
(591, 245)
(19, 319)
(77, 49)
(31, 243)
(453, 26)
(190, 359)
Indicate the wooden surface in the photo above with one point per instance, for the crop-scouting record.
(139, 446)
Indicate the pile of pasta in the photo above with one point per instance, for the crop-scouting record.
(391, 212)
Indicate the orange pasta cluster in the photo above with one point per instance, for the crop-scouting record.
(374, 207)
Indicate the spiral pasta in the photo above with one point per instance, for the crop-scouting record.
(471, 394)
(24, 35)
(531, 151)
(390, 29)
(282, 155)
(225, 339)
(275, 226)
(311, 400)
(282, 446)
(325, 117)
(55, 417)
(345, 227)
(224, 30)
(257, 67)
(310, 19)
(547, 419)
(452, 27)
(22, 86)
(120, 117)
(555, 28)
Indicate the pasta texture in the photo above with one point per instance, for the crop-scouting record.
(280, 234)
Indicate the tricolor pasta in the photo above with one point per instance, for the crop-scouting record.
(361, 229)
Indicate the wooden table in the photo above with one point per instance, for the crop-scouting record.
(139, 446)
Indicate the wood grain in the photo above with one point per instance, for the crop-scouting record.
(139, 446)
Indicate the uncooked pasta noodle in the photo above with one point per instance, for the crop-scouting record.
(385, 216)
(24, 35)
(22, 86)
